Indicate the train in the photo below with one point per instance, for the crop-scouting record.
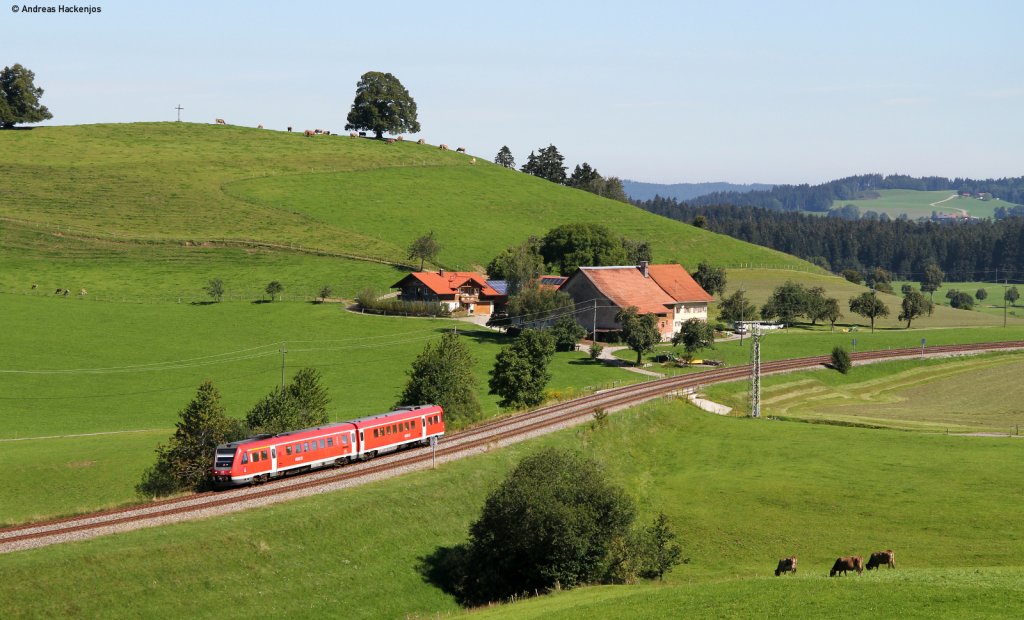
(264, 457)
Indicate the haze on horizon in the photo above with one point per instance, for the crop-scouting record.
(662, 92)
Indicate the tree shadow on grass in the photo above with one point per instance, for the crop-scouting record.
(480, 335)
(445, 569)
(262, 301)
(202, 303)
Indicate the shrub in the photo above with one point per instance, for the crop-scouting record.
(370, 301)
(841, 360)
(595, 351)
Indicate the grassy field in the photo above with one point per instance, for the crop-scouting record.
(992, 305)
(85, 367)
(915, 204)
(741, 493)
(926, 395)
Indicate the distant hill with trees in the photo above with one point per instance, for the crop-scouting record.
(637, 190)
(823, 196)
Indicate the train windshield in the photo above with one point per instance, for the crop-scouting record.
(225, 456)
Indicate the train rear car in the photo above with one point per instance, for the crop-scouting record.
(398, 429)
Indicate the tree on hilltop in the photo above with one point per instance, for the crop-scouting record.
(504, 158)
(547, 164)
(382, 104)
(19, 97)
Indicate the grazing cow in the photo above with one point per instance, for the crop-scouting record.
(83, 293)
(318, 131)
(461, 149)
(58, 291)
(473, 161)
(260, 126)
(353, 135)
(327, 132)
(443, 147)
(34, 286)
(879, 558)
(847, 563)
(289, 127)
(786, 565)
(389, 141)
(67, 292)
(362, 134)
(309, 133)
(421, 141)
(220, 121)
(399, 139)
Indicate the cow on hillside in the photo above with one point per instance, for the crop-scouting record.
(421, 141)
(879, 558)
(309, 133)
(461, 149)
(847, 563)
(220, 121)
(786, 565)
(443, 147)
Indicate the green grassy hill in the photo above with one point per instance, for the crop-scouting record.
(170, 203)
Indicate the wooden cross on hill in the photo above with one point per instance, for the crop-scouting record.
(179, 109)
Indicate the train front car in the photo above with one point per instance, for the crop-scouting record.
(225, 463)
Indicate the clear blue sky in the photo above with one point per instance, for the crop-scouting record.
(666, 92)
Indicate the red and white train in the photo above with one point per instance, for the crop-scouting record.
(263, 457)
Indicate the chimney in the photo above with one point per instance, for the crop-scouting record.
(440, 272)
(643, 268)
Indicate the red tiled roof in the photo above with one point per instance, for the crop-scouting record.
(627, 286)
(677, 283)
(449, 283)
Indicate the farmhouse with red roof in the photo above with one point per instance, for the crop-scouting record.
(459, 290)
(667, 291)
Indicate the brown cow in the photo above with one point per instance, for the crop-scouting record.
(220, 121)
(309, 133)
(879, 558)
(847, 563)
(399, 139)
(786, 565)
(421, 141)
(389, 141)
(443, 147)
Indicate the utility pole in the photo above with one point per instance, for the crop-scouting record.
(1005, 301)
(755, 371)
(284, 350)
(179, 109)
(593, 337)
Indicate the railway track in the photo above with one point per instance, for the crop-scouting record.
(496, 433)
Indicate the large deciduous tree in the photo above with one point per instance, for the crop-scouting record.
(931, 280)
(711, 279)
(547, 164)
(19, 97)
(868, 305)
(736, 308)
(914, 305)
(185, 461)
(1011, 295)
(567, 332)
(520, 371)
(786, 303)
(443, 375)
(518, 266)
(639, 331)
(570, 246)
(535, 306)
(425, 247)
(381, 105)
(554, 520)
(694, 335)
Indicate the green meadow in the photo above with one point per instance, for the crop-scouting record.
(993, 305)
(741, 493)
(915, 204)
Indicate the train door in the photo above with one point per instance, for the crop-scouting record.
(423, 425)
(273, 459)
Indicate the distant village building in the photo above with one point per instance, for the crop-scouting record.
(667, 291)
(459, 290)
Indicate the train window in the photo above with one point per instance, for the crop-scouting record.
(273, 452)
(413, 423)
(305, 446)
(330, 442)
(322, 444)
(289, 450)
(245, 458)
(263, 455)
(344, 440)
(255, 457)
